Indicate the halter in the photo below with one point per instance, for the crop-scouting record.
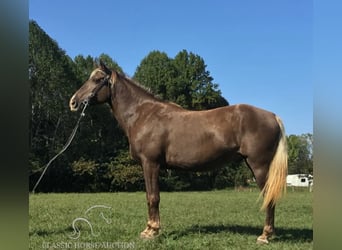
(98, 88)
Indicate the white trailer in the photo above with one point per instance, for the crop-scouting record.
(299, 180)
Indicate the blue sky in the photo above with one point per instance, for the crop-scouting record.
(259, 52)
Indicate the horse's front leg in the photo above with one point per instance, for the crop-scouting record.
(151, 175)
(268, 230)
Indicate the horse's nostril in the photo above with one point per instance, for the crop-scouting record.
(73, 104)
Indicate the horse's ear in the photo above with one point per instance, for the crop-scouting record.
(113, 77)
(104, 68)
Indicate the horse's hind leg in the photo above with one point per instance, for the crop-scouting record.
(268, 230)
(260, 173)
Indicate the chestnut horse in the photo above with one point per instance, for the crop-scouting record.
(163, 135)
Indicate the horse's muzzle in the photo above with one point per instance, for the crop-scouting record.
(73, 104)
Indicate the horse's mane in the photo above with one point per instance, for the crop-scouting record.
(138, 85)
(145, 91)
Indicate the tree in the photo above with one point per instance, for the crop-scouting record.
(51, 79)
(193, 86)
(125, 174)
(300, 154)
(183, 80)
(83, 67)
(157, 73)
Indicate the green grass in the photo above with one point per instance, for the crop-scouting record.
(190, 220)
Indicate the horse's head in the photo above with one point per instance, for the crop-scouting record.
(96, 90)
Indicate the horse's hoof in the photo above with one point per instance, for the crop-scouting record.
(262, 240)
(149, 234)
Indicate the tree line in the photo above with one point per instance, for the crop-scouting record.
(98, 159)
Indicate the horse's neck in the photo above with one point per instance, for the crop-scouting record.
(125, 102)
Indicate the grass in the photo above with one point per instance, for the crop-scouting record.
(191, 220)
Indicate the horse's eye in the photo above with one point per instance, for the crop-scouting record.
(98, 80)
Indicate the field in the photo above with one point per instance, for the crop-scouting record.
(190, 220)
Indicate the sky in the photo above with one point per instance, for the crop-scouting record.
(259, 52)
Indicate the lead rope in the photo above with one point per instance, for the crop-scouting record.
(67, 144)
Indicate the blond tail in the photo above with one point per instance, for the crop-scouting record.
(276, 181)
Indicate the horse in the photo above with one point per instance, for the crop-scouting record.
(162, 134)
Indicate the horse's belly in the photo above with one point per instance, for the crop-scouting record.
(196, 166)
(200, 146)
(198, 158)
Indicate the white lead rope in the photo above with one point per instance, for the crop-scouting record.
(67, 144)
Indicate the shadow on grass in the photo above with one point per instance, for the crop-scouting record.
(46, 233)
(282, 234)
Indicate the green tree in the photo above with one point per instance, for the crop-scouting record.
(125, 174)
(157, 73)
(193, 87)
(51, 79)
(183, 80)
(83, 67)
(300, 154)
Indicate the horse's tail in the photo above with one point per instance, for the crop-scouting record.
(276, 181)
